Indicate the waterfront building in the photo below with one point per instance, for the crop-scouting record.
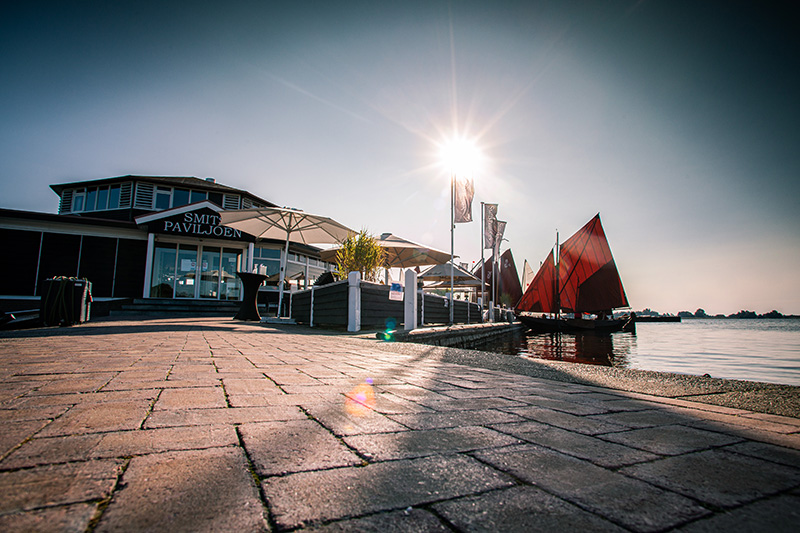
(146, 237)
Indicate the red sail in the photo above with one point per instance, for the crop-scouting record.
(588, 277)
(509, 289)
(540, 295)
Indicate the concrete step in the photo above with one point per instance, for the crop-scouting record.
(165, 306)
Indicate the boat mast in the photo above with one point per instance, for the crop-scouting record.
(557, 260)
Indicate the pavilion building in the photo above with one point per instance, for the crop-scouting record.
(145, 237)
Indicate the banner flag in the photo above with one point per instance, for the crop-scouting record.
(464, 191)
(489, 225)
(498, 236)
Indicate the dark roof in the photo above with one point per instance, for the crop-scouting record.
(180, 181)
(65, 219)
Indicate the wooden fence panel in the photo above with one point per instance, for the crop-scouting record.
(330, 305)
(377, 308)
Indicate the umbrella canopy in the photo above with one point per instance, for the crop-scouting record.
(289, 224)
(286, 224)
(442, 273)
(400, 253)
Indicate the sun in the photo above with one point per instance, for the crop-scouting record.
(460, 156)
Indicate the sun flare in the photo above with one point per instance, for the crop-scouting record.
(460, 156)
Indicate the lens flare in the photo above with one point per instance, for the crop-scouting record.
(361, 400)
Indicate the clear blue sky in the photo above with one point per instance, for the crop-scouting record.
(677, 121)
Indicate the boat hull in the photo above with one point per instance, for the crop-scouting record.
(545, 324)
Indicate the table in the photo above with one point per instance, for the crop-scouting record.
(250, 284)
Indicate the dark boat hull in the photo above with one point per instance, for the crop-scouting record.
(545, 324)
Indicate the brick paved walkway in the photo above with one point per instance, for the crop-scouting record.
(215, 425)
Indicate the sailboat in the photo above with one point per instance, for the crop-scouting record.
(578, 278)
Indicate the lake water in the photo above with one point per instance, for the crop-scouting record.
(757, 350)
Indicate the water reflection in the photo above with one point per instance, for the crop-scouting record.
(606, 349)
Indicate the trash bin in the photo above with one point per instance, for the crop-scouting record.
(65, 301)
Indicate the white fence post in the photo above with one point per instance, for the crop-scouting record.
(354, 301)
(410, 301)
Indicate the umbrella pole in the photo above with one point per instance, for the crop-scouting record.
(283, 275)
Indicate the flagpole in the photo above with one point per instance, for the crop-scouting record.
(483, 262)
(452, 237)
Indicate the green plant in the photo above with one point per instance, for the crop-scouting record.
(360, 253)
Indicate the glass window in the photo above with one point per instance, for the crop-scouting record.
(267, 253)
(113, 197)
(163, 197)
(186, 271)
(198, 196)
(77, 200)
(91, 198)
(229, 288)
(296, 275)
(215, 197)
(269, 267)
(163, 277)
(180, 197)
(102, 198)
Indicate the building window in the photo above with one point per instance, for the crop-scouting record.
(198, 196)
(77, 200)
(215, 198)
(163, 198)
(102, 198)
(180, 197)
(114, 197)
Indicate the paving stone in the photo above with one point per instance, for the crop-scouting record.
(32, 413)
(231, 415)
(580, 424)
(66, 518)
(15, 433)
(406, 521)
(407, 444)
(520, 509)
(97, 417)
(355, 420)
(193, 491)
(594, 449)
(642, 419)
(295, 446)
(768, 452)
(313, 497)
(119, 444)
(413, 393)
(34, 488)
(776, 515)
(196, 398)
(671, 440)
(473, 404)
(261, 386)
(717, 477)
(455, 419)
(73, 383)
(620, 499)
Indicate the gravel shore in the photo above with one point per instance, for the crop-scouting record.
(761, 397)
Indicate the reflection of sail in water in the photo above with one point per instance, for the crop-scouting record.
(587, 348)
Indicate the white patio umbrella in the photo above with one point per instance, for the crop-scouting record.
(400, 253)
(286, 224)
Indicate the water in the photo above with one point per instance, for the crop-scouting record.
(757, 350)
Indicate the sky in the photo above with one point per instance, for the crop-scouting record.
(677, 121)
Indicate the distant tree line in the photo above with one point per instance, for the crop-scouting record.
(700, 313)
